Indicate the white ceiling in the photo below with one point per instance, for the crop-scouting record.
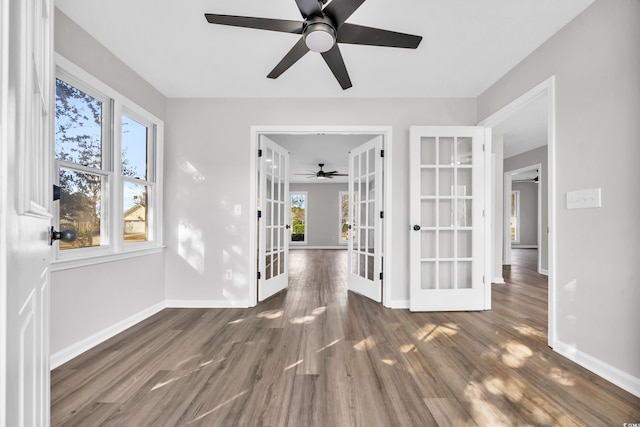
(307, 151)
(467, 45)
(526, 129)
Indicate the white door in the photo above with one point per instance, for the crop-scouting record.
(273, 269)
(365, 220)
(26, 128)
(448, 225)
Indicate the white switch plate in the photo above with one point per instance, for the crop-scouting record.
(229, 275)
(584, 199)
(237, 209)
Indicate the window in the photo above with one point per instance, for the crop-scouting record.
(343, 214)
(298, 217)
(514, 222)
(108, 170)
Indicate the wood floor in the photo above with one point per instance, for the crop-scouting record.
(317, 355)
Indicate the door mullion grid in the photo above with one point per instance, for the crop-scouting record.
(366, 213)
(437, 215)
(455, 212)
(270, 225)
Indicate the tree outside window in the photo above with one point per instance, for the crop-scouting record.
(298, 216)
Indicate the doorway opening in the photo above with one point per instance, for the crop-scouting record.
(525, 214)
(323, 139)
(536, 107)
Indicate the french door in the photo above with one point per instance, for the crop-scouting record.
(274, 219)
(449, 228)
(365, 220)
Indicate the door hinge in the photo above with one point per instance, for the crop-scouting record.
(381, 153)
(482, 279)
(482, 213)
(259, 214)
(259, 275)
(260, 152)
(483, 147)
(381, 275)
(381, 214)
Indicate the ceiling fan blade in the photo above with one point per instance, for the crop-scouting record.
(340, 10)
(334, 60)
(358, 34)
(281, 25)
(309, 8)
(297, 51)
(339, 174)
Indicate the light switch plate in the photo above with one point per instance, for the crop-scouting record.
(584, 199)
(237, 209)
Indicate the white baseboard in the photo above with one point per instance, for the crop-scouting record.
(543, 272)
(206, 304)
(610, 373)
(400, 304)
(80, 347)
(498, 280)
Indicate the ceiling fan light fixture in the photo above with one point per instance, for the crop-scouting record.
(319, 37)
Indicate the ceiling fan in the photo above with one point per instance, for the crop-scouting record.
(322, 29)
(321, 174)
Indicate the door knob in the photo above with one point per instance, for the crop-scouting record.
(416, 227)
(287, 226)
(65, 235)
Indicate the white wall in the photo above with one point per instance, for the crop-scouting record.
(207, 172)
(89, 303)
(528, 213)
(323, 220)
(596, 61)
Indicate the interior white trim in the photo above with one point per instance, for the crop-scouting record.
(385, 132)
(610, 373)
(174, 303)
(76, 349)
(547, 87)
(399, 304)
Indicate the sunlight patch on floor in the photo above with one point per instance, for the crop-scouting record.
(366, 344)
(484, 412)
(226, 402)
(270, 314)
(562, 377)
(529, 331)
(516, 354)
(509, 388)
(293, 365)
(330, 345)
(430, 331)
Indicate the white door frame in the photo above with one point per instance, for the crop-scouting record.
(508, 187)
(548, 88)
(384, 131)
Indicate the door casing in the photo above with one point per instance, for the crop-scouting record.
(384, 131)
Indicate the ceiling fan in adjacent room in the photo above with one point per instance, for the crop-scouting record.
(321, 174)
(322, 29)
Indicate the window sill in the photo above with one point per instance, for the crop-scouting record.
(68, 264)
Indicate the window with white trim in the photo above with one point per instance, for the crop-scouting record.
(299, 217)
(343, 214)
(107, 165)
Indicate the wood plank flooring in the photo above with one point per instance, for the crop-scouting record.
(317, 355)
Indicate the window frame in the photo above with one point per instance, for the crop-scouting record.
(306, 218)
(112, 214)
(514, 210)
(340, 217)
